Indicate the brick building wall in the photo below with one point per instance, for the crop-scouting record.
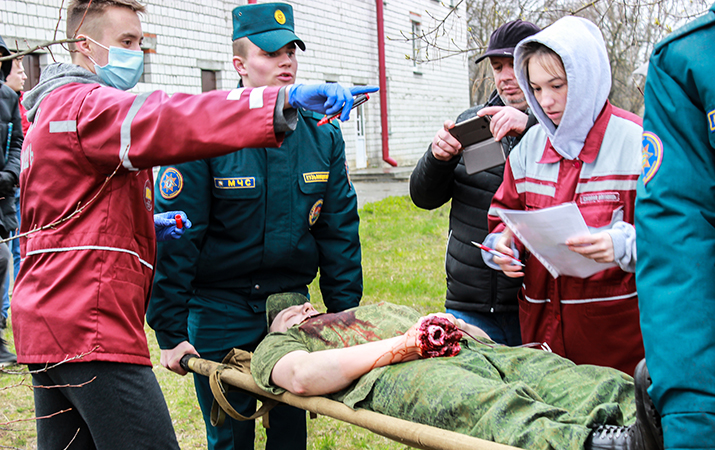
(341, 40)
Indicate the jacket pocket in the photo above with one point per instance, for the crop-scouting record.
(601, 214)
(128, 275)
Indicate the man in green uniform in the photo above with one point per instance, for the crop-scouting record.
(264, 221)
(675, 220)
(367, 357)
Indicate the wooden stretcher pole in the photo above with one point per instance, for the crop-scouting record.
(413, 434)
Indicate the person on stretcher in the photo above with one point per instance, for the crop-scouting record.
(379, 357)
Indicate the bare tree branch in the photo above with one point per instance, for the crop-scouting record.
(631, 28)
(31, 419)
(73, 438)
(65, 385)
(48, 366)
(75, 213)
(38, 47)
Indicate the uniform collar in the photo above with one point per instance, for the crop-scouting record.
(594, 139)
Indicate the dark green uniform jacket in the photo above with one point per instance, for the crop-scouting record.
(264, 221)
(675, 224)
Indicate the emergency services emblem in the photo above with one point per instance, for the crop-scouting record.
(148, 198)
(235, 183)
(315, 212)
(280, 17)
(652, 155)
(711, 120)
(171, 183)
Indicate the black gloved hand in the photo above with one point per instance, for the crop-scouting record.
(7, 184)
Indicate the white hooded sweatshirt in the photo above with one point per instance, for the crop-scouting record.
(580, 45)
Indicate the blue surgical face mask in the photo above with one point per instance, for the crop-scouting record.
(124, 67)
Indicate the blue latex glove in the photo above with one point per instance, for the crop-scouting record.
(165, 225)
(326, 98)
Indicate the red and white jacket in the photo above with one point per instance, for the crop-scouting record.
(85, 283)
(593, 320)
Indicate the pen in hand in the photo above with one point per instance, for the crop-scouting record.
(359, 100)
(499, 254)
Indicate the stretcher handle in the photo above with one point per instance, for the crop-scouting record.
(186, 362)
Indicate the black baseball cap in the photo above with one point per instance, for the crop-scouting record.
(504, 39)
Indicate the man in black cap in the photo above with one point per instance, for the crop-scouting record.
(475, 293)
(11, 141)
(265, 220)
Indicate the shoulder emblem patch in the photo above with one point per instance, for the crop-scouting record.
(235, 183)
(171, 183)
(315, 212)
(347, 174)
(652, 155)
(316, 177)
(711, 120)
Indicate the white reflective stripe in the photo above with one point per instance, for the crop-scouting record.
(234, 94)
(256, 98)
(125, 133)
(585, 300)
(493, 211)
(90, 247)
(533, 300)
(63, 126)
(607, 185)
(602, 299)
(528, 186)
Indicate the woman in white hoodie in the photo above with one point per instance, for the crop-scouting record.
(585, 151)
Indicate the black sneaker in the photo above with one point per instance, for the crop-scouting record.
(3, 323)
(7, 358)
(647, 416)
(613, 437)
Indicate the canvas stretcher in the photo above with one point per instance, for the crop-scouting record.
(413, 434)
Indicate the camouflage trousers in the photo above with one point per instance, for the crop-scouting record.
(522, 397)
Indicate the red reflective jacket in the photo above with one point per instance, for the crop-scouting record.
(84, 284)
(592, 320)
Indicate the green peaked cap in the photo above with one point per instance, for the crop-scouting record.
(278, 302)
(268, 25)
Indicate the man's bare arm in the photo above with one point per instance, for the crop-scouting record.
(328, 371)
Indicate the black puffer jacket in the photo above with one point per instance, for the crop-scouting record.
(9, 150)
(471, 285)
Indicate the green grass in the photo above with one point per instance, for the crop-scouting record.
(403, 262)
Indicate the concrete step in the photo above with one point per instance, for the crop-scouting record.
(377, 174)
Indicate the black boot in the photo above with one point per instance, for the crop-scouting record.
(6, 356)
(613, 437)
(646, 414)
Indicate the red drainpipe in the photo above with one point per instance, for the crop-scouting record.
(383, 85)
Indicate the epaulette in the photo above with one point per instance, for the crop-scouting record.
(317, 117)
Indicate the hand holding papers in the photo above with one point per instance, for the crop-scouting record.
(545, 231)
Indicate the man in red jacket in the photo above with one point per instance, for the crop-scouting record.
(84, 284)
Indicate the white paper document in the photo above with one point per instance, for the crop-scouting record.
(544, 233)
